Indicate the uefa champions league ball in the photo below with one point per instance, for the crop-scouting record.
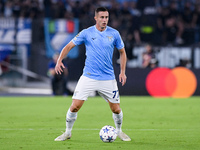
(108, 134)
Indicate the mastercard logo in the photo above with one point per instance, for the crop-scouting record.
(179, 82)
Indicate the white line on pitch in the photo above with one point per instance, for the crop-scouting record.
(84, 129)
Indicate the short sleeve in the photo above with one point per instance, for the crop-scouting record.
(79, 38)
(119, 44)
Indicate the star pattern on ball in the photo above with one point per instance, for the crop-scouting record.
(101, 138)
(112, 129)
(110, 138)
(105, 130)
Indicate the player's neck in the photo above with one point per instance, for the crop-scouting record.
(101, 29)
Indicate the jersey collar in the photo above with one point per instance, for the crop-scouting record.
(98, 30)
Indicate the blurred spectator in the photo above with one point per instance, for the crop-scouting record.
(188, 23)
(8, 9)
(135, 24)
(148, 20)
(3, 67)
(149, 58)
(57, 9)
(29, 9)
(58, 81)
(0, 70)
(2, 7)
(184, 63)
(144, 4)
(129, 44)
(77, 9)
(170, 24)
(16, 8)
(196, 22)
(174, 22)
(47, 8)
(35, 11)
(173, 31)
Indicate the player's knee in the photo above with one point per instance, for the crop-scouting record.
(116, 110)
(74, 108)
(76, 105)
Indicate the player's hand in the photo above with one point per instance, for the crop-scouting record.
(122, 78)
(59, 67)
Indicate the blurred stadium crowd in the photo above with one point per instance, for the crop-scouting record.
(160, 22)
(155, 32)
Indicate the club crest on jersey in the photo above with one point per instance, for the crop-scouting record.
(109, 38)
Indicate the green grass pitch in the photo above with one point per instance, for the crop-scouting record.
(32, 123)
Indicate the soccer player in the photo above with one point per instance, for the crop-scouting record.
(98, 74)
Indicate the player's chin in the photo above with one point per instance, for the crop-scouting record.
(104, 25)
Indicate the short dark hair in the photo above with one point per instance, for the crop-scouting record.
(100, 9)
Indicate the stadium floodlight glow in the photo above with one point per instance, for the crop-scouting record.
(179, 82)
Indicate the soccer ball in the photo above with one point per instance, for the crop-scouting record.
(108, 134)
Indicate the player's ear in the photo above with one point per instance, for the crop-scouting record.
(95, 18)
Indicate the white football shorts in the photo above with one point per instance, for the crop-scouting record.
(106, 88)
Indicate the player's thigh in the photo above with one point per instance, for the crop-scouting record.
(109, 91)
(84, 88)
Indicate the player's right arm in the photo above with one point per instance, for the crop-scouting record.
(77, 40)
(59, 65)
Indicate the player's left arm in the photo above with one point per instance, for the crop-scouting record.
(123, 59)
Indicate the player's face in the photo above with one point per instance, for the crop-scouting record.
(101, 20)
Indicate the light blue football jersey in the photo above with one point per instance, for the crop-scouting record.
(99, 51)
